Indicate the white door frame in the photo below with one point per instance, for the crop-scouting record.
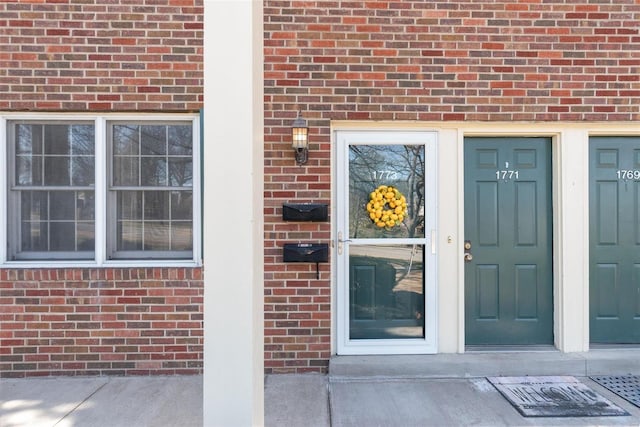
(429, 343)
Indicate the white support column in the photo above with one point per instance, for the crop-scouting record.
(233, 183)
(571, 237)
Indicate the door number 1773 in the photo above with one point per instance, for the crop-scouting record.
(507, 174)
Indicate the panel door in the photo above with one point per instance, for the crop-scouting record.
(508, 282)
(614, 234)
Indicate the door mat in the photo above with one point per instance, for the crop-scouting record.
(625, 386)
(554, 397)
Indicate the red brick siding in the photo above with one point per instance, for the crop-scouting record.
(95, 55)
(419, 61)
(101, 56)
(112, 321)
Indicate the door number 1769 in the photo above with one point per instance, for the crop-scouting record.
(628, 174)
(507, 174)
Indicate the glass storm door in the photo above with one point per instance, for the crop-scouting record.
(386, 255)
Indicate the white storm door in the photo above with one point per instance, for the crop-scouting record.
(386, 225)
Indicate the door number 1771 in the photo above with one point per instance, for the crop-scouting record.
(507, 174)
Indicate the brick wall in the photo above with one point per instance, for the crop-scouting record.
(101, 56)
(417, 61)
(98, 55)
(133, 321)
(360, 60)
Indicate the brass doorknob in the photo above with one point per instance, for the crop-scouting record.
(468, 257)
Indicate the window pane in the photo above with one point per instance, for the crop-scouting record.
(28, 170)
(154, 140)
(85, 205)
(34, 236)
(126, 140)
(33, 205)
(386, 291)
(180, 172)
(33, 216)
(63, 236)
(85, 235)
(56, 171)
(28, 139)
(129, 205)
(83, 171)
(181, 205)
(83, 140)
(156, 205)
(125, 171)
(156, 236)
(154, 171)
(56, 139)
(180, 140)
(62, 205)
(181, 236)
(397, 212)
(129, 236)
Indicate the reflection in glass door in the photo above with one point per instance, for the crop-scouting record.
(386, 255)
(386, 291)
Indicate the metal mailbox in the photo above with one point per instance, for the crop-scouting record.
(306, 252)
(305, 212)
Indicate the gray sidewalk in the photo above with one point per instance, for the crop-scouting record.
(101, 402)
(403, 391)
(296, 400)
(290, 400)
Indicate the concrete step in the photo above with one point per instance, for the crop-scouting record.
(487, 363)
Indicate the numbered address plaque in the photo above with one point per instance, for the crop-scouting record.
(628, 174)
(507, 175)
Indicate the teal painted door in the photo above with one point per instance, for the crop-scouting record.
(509, 280)
(614, 234)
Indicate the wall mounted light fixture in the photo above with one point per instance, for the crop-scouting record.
(300, 139)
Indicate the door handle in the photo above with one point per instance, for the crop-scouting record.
(467, 251)
(341, 242)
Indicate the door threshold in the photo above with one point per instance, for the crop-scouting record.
(510, 348)
(504, 361)
(593, 346)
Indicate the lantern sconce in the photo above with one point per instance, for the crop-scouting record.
(300, 139)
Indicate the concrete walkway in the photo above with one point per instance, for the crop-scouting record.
(441, 390)
(101, 402)
(290, 400)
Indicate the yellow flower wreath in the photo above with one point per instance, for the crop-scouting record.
(379, 199)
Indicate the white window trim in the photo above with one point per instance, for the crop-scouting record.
(100, 122)
(3, 189)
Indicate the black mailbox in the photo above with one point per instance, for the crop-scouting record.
(306, 252)
(305, 212)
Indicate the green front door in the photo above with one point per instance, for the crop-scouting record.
(508, 234)
(614, 194)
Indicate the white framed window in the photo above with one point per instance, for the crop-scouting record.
(51, 197)
(109, 189)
